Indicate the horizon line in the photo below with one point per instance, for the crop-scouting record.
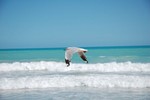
(88, 47)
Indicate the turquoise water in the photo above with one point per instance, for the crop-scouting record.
(95, 55)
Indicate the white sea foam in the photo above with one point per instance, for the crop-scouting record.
(29, 75)
(61, 67)
(99, 81)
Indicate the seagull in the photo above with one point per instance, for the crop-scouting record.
(71, 50)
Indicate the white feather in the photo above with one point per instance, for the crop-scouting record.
(71, 50)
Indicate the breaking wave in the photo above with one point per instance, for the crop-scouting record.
(100, 75)
(99, 81)
(61, 67)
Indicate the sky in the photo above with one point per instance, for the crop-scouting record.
(83, 23)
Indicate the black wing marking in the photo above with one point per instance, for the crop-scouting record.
(83, 57)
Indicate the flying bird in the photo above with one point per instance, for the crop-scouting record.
(71, 50)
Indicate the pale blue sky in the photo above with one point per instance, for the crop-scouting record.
(62, 23)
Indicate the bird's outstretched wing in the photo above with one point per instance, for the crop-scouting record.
(71, 50)
(83, 57)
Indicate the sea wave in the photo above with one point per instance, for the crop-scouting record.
(61, 67)
(98, 81)
(48, 74)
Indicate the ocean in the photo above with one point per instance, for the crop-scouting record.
(113, 73)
